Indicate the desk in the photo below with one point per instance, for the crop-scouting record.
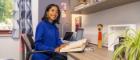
(97, 54)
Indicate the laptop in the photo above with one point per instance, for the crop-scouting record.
(71, 36)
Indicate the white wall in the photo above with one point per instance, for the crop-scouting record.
(9, 48)
(126, 14)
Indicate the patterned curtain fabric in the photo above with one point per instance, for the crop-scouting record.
(22, 18)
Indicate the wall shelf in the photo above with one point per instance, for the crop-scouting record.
(95, 7)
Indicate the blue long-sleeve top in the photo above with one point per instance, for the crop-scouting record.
(47, 36)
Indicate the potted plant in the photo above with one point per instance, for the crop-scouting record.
(129, 49)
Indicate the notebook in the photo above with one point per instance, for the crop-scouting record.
(75, 46)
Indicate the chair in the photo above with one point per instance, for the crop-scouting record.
(29, 45)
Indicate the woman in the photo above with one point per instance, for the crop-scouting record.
(47, 34)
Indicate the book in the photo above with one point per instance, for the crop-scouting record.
(74, 46)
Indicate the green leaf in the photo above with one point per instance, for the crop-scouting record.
(131, 46)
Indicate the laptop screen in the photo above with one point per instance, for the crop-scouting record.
(68, 36)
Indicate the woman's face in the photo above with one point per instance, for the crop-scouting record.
(52, 13)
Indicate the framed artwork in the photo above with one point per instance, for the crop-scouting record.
(78, 22)
(63, 9)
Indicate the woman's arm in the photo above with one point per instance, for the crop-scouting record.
(60, 44)
(59, 41)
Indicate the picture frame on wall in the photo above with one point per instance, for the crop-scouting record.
(78, 22)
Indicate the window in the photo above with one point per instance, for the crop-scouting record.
(6, 10)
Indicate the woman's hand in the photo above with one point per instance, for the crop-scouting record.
(57, 49)
(61, 46)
